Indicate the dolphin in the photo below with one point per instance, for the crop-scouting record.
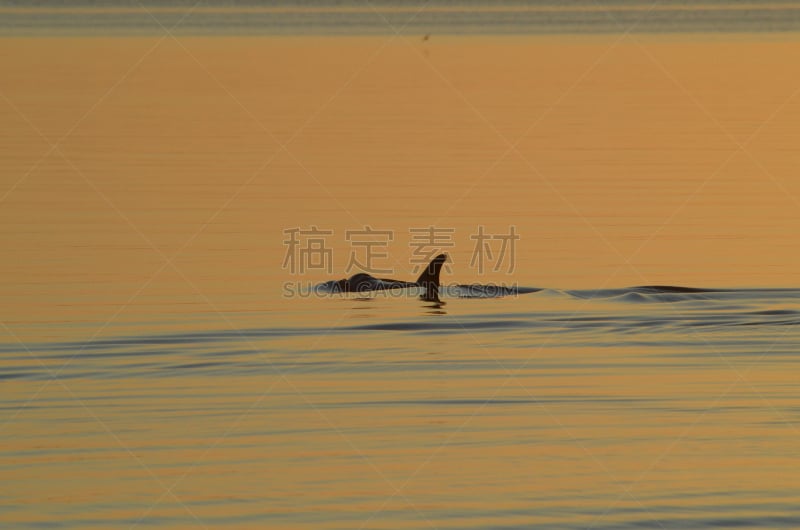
(363, 282)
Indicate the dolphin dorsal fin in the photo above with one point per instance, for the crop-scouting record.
(429, 279)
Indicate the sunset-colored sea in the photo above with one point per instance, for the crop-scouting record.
(175, 179)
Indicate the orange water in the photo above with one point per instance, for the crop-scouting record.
(145, 186)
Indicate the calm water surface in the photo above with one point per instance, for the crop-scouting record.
(583, 409)
(154, 375)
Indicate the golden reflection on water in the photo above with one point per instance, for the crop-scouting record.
(623, 151)
(178, 164)
(437, 419)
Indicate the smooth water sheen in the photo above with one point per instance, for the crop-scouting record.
(163, 367)
(582, 409)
